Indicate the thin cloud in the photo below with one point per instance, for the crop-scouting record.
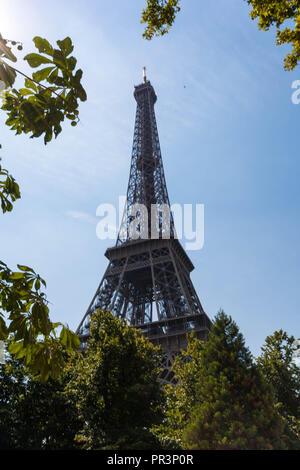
(83, 216)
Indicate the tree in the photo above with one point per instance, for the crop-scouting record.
(278, 365)
(182, 398)
(159, 17)
(231, 406)
(49, 96)
(277, 13)
(9, 190)
(34, 415)
(115, 388)
(236, 406)
(12, 389)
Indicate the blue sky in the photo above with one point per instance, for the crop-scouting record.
(229, 139)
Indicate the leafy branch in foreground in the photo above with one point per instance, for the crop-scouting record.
(50, 95)
(159, 17)
(9, 190)
(276, 13)
(33, 336)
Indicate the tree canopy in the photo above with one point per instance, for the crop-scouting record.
(159, 17)
(280, 369)
(222, 400)
(34, 415)
(277, 13)
(110, 398)
(115, 387)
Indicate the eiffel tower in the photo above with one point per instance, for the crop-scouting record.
(147, 281)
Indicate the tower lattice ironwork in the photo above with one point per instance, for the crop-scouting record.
(147, 281)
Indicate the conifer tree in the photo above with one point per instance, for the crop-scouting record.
(235, 408)
(280, 369)
(181, 399)
(278, 363)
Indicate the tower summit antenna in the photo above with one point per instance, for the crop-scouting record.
(144, 75)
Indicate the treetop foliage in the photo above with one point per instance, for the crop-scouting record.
(34, 415)
(276, 13)
(50, 95)
(117, 376)
(279, 366)
(159, 17)
(222, 400)
(109, 397)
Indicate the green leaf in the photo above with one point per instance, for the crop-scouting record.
(35, 60)
(71, 63)
(36, 314)
(53, 76)
(75, 341)
(15, 348)
(18, 326)
(3, 330)
(48, 136)
(66, 46)
(78, 76)
(64, 336)
(37, 284)
(25, 268)
(30, 84)
(81, 93)
(43, 45)
(41, 318)
(59, 58)
(25, 92)
(16, 276)
(28, 355)
(42, 74)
